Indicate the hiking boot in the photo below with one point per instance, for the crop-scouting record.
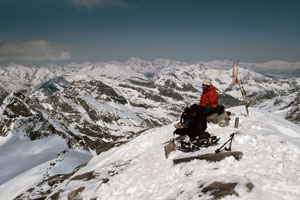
(204, 135)
(182, 138)
(213, 137)
(193, 138)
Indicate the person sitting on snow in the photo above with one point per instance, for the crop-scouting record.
(209, 98)
(193, 120)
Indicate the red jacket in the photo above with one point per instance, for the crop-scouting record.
(209, 97)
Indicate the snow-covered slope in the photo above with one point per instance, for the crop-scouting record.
(139, 169)
(26, 163)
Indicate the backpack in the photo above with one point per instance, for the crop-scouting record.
(194, 117)
(220, 109)
(194, 121)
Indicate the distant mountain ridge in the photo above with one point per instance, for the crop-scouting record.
(163, 73)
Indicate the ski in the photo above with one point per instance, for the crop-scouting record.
(237, 80)
(197, 144)
(182, 143)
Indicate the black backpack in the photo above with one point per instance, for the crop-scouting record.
(194, 120)
(220, 109)
(194, 117)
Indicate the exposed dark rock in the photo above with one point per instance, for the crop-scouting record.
(17, 106)
(72, 195)
(59, 182)
(50, 183)
(56, 195)
(185, 87)
(189, 87)
(146, 94)
(140, 105)
(219, 190)
(249, 186)
(294, 113)
(56, 179)
(149, 84)
(60, 105)
(91, 112)
(102, 88)
(170, 93)
(37, 127)
(228, 101)
(108, 117)
(262, 96)
(52, 85)
(104, 147)
(5, 126)
(105, 180)
(86, 176)
(220, 81)
(3, 95)
(30, 190)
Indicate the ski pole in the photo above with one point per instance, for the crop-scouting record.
(231, 138)
(236, 126)
(219, 149)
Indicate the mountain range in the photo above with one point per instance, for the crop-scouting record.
(70, 114)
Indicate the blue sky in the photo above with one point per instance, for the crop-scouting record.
(64, 31)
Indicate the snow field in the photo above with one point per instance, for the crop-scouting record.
(270, 161)
(23, 163)
(139, 169)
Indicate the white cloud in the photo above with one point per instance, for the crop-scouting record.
(92, 3)
(34, 50)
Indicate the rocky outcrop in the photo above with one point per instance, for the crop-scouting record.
(294, 112)
(218, 190)
(3, 95)
(22, 114)
(63, 184)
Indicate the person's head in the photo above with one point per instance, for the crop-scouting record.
(206, 84)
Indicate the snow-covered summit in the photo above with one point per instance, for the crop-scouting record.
(139, 170)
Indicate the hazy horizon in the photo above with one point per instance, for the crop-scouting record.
(66, 31)
(273, 64)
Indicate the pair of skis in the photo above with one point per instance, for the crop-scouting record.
(237, 80)
(172, 147)
(187, 146)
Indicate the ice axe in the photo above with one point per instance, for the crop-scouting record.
(226, 149)
(236, 125)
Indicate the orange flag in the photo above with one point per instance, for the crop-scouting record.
(235, 73)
